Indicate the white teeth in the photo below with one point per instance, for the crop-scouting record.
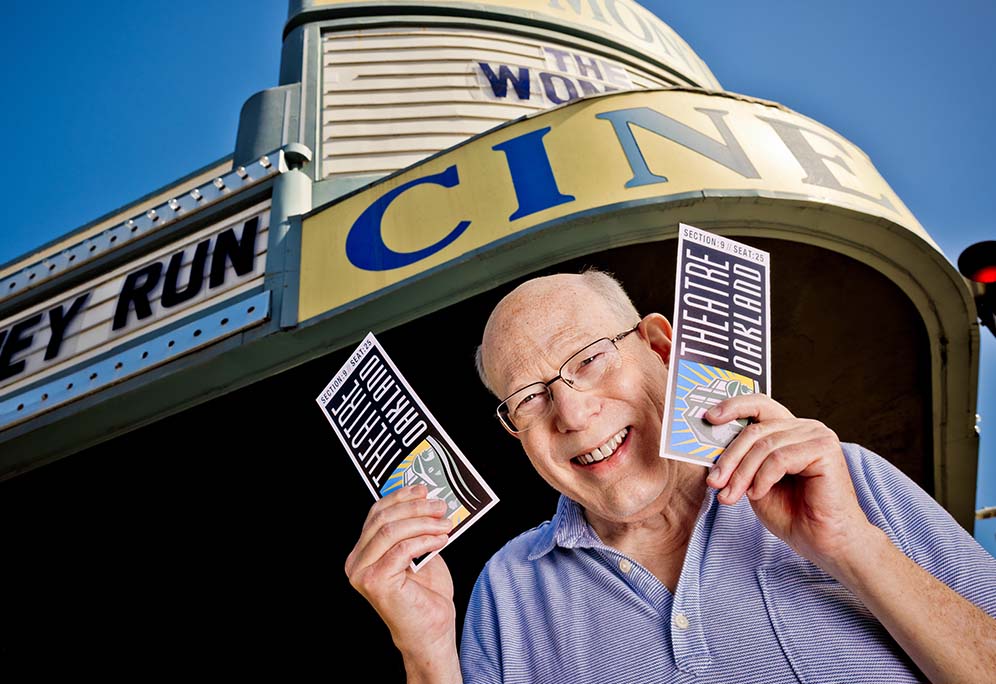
(604, 451)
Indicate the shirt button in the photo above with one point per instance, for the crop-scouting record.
(625, 565)
(681, 621)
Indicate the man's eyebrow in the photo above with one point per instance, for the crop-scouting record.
(562, 337)
(514, 379)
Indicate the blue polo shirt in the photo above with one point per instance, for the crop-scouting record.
(557, 605)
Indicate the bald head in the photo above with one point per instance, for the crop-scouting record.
(543, 302)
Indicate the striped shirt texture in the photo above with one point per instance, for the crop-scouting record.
(556, 605)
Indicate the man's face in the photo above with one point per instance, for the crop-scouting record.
(530, 335)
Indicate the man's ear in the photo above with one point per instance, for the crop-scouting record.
(657, 331)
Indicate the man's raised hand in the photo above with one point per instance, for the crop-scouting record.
(416, 607)
(794, 473)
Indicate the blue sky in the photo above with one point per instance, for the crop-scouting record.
(102, 106)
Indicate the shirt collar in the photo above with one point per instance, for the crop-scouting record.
(568, 529)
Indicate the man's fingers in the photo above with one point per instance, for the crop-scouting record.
(776, 444)
(394, 498)
(759, 407)
(791, 459)
(368, 579)
(738, 448)
(411, 508)
(371, 548)
(816, 452)
(742, 474)
(402, 554)
(407, 503)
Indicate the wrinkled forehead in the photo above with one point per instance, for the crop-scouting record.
(538, 326)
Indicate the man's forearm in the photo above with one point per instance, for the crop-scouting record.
(949, 638)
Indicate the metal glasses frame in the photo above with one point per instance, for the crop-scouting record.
(503, 410)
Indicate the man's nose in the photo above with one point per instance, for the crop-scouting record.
(573, 410)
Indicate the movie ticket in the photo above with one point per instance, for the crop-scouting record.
(395, 442)
(722, 344)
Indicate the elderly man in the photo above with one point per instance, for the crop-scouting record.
(794, 559)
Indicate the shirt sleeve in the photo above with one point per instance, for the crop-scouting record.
(921, 528)
(480, 647)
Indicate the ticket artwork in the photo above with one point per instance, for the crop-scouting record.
(395, 442)
(721, 345)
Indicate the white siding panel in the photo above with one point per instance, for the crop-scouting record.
(641, 81)
(388, 144)
(417, 110)
(451, 125)
(390, 69)
(392, 97)
(361, 83)
(433, 41)
(403, 55)
(372, 163)
(451, 96)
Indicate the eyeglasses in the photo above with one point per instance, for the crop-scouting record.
(526, 407)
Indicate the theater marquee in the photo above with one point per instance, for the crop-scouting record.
(98, 324)
(583, 160)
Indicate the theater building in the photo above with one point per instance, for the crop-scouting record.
(165, 465)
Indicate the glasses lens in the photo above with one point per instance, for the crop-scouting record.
(525, 407)
(586, 368)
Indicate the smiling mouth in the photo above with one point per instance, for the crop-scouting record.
(604, 451)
